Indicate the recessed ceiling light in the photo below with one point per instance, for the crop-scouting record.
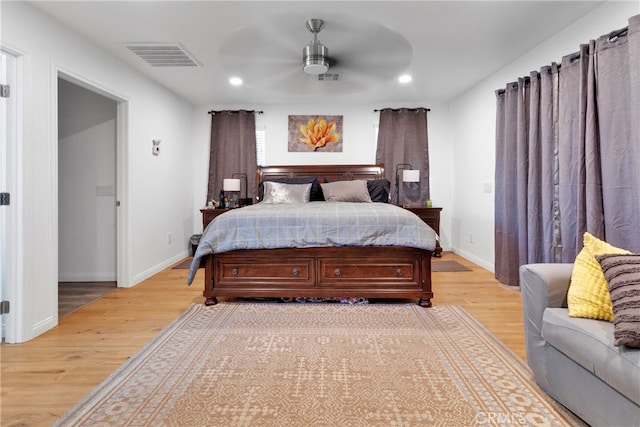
(236, 81)
(405, 78)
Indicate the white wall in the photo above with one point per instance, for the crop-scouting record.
(359, 146)
(157, 196)
(473, 130)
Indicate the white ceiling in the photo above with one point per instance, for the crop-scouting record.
(446, 46)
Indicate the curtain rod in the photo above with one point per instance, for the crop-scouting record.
(398, 109)
(231, 111)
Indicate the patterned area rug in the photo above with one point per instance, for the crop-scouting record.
(265, 364)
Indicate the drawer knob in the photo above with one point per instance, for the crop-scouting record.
(295, 271)
(399, 272)
(337, 272)
(234, 271)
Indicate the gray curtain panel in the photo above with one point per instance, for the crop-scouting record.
(232, 150)
(618, 98)
(567, 155)
(510, 130)
(403, 138)
(580, 194)
(543, 236)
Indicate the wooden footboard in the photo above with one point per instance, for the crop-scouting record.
(336, 272)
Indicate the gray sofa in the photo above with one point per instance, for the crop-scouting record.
(574, 360)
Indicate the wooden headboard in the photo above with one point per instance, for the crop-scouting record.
(325, 173)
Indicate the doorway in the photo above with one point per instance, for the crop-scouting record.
(87, 189)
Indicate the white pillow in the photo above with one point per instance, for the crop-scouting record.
(275, 192)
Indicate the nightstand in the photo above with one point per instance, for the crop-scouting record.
(208, 214)
(432, 217)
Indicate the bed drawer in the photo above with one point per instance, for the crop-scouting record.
(247, 272)
(374, 273)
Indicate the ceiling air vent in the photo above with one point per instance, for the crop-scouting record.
(329, 77)
(164, 54)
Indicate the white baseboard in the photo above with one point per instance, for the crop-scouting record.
(474, 259)
(158, 268)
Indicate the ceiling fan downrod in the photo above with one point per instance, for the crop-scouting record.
(315, 55)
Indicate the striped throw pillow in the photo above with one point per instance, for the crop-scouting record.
(623, 278)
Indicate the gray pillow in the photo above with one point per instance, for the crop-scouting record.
(275, 192)
(622, 272)
(346, 191)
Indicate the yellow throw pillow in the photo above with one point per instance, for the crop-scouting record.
(588, 294)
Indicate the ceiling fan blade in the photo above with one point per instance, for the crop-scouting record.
(252, 50)
(372, 51)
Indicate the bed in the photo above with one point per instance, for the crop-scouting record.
(325, 264)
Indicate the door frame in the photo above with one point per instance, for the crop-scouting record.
(123, 253)
(11, 291)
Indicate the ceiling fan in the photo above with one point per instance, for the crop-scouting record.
(363, 54)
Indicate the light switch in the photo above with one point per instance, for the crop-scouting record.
(155, 150)
(105, 190)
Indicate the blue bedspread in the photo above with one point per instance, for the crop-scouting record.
(269, 226)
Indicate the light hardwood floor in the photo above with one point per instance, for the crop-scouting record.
(43, 378)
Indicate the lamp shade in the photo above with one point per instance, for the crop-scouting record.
(410, 175)
(231, 184)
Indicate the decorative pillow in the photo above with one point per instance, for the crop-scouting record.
(346, 191)
(275, 192)
(316, 191)
(623, 278)
(588, 294)
(379, 190)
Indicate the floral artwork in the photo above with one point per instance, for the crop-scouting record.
(315, 133)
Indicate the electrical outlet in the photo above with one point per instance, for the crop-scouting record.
(486, 187)
(169, 236)
(471, 238)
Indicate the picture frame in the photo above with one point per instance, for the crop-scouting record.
(315, 133)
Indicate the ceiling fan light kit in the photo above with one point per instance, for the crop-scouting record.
(315, 56)
(315, 59)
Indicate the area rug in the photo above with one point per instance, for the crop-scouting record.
(266, 364)
(185, 264)
(447, 266)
